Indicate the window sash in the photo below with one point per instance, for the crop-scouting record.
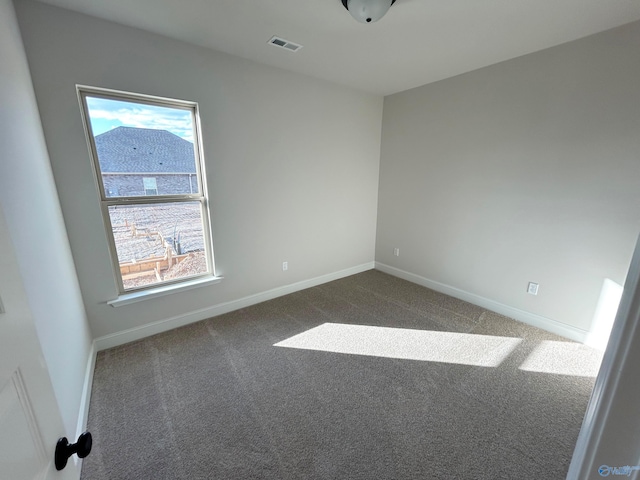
(113, 248)
(96, 92)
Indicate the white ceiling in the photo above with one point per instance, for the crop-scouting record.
(417, 42)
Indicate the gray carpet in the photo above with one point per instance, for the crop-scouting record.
(372, 377)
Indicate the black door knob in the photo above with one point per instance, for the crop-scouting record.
(64, 449)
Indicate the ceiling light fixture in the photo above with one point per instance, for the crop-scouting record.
(367, 11)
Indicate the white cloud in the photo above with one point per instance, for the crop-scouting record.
(128, 114)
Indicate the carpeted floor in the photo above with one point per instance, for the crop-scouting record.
(368, 377)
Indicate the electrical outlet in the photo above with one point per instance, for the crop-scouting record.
(396, 252)
(532, 288)
(285, 266)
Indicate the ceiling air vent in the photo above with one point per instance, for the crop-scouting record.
(286, 44)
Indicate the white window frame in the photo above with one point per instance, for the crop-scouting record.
(147, 183)
(157, 289)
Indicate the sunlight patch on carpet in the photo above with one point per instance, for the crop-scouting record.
(406, 344)
(563, 358)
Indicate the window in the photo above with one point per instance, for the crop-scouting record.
(150, 186)
(149, 171)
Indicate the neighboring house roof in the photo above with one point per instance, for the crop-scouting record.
(142, 150)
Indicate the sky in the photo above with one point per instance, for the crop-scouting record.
(106, 114)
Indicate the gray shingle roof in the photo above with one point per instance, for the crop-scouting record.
(128, 149)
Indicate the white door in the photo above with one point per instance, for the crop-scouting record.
(30, 422)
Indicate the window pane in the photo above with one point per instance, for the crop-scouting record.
(156, 243)
(137, 143)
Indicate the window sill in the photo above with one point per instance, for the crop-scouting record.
(135, 297)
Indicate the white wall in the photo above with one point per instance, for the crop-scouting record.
(523, 171)
(292, 162)
(30, 203)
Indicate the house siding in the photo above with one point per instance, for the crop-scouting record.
(132, 185)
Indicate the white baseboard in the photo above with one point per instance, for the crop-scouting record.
(86, 391)
(137, 333)
(553, 326)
